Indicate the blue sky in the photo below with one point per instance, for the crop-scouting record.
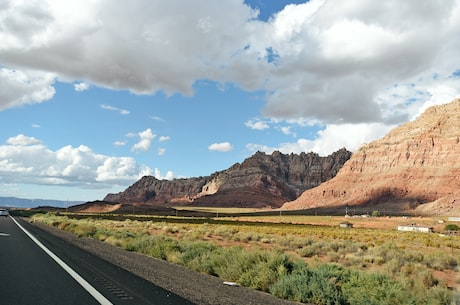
(96, 94)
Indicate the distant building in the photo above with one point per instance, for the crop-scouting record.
(346, 224)
(454, 218)
(414, 228)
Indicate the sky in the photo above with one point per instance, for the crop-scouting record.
(95, 94)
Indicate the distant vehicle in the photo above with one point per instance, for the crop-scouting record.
(4, 212)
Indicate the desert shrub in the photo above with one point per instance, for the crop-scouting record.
(225, 232)
(84, 230)
(451, 227)
(441, 261)
(244, 237)
(268, 267)
(155, 245)
(197, 256)
(440, 296)
(304, 284)
(307, 251)
(64, 225)
(231, 263)
(111, 240)
(374, 289)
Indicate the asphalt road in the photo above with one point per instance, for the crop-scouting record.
(29, 275)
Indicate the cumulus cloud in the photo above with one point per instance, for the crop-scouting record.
(330, 139)
(22, 140)
(287, 131)
(27, 160)
(112, 108)
(336, 62)
(153, 45)
(164, 138)
(80, 87)
(145, 141)
(169, 175)
(257, 124)
(161, 151)
(222, 147)
(20, 87)
(331, 58)
(119, 143)
(336, 58)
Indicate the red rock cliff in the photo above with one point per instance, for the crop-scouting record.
(416, 163)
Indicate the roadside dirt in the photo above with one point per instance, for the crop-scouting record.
(199, 288)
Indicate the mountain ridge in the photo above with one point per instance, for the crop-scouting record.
(262, 180)
(15, 202)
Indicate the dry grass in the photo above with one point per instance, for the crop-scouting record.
(418, 260)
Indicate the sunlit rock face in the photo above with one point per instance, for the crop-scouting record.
(263, 180)
(416, 165)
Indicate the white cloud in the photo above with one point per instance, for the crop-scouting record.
(330, 139)
(287, 131)
(161, 151)
(145, 141)
(80, 87)
(20, 87)
(26, 160)
(257, 124)
(22, 140)
(164, 138)
(337, 62)
(111, 108)
(157, 118)
(132, 135)
(332, 57)
(169, 175)
(222, 147)
(345, 56)
(153, 45)
(119, 143)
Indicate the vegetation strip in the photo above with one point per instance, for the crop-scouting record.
(311, 264)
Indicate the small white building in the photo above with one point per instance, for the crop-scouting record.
(454, 218)
(414, 228)
(346, 225)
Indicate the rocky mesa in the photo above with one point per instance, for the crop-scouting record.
(415, 166)
(262, 180)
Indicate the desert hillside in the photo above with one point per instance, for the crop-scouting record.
(416, 165)
(262, 180)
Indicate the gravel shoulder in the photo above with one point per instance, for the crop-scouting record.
(199, 288)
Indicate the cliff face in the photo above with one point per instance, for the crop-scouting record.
(260, 181)
(416, 163)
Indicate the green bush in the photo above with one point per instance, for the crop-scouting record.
(451, 227)
(155, 246)
(197, 256)
(374, 289)
(304, 284)
(268, 267)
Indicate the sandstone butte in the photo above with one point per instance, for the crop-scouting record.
(416, 166)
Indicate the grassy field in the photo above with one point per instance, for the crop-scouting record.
(302, 258)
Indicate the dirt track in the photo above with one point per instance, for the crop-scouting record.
(198, 288)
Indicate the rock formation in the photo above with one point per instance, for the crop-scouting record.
(259, 181)
(414, 164)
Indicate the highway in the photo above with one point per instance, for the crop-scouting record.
(51, 271)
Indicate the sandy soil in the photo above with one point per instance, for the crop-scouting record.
(199, 288)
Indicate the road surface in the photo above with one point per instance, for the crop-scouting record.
(51, 271)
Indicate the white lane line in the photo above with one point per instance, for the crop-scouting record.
(87, 286)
